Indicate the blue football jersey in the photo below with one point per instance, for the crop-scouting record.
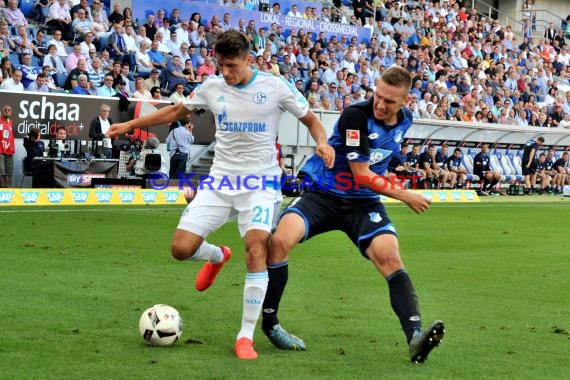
(358, 137)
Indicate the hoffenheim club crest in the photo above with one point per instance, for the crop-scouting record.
(375, 217)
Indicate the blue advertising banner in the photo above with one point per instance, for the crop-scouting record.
(253, 5)
(262, 19)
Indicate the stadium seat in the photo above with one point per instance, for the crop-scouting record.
(467, 162)
(505, 170)
(36, 61)
(496, 166)
(516, 168)
(14, 59)
(60, 79)
(27, 7)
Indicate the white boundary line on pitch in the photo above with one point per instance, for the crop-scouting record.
(122, 209)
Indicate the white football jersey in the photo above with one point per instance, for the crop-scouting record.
(247, 121)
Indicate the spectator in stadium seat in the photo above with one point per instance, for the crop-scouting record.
(106, 88)
(153, 80)
(60, 19)
(87, 45)
(197, 37)
(59, 43)
(96, 74)
(557, 115)
(83, 87)
(81, 25)
(144, 63)
(149, 26)
(208, 67)
(482, 168)
(22, 41)
(13, 15)
(565, 123)
(294, 12)
(178, 95)
(72, 60)
(13, 83)
(155, 92)
(52, 60)
(29, 72)
(140, 91)
(39, 44)
(71, 80)
(116, 42)
(212, 35)
(39, 85)
(117, 14)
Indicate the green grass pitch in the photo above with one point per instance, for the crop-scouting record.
(73, 283)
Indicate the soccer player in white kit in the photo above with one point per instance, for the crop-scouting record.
(247, 106)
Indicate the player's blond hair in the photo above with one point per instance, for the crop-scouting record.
(397, 76)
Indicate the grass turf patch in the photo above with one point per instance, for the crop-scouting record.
(74, 282)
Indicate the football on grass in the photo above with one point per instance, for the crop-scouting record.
(160, 325)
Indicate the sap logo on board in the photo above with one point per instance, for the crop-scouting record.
(127, 196)
(149, 197)
(30, 197)
(103, 196)
(80, 196)
(54, 196)
(6, 196)
(170, 196)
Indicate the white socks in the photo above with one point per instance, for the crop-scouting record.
(253, 294)
(208, 252)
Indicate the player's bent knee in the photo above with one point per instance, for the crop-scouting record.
(182, 249)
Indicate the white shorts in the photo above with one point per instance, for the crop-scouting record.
(211, 209)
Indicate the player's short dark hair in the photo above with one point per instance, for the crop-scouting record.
(231, 44)
(540, 139)
(397, 76)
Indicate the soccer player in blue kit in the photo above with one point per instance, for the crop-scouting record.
(247, 106)
(365, 137)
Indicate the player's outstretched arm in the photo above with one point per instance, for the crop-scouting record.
(382, 185)
(161, 116)
(318, 133)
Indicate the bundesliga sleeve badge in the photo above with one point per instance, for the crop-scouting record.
(352, 137)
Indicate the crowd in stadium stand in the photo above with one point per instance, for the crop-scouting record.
(465, 66)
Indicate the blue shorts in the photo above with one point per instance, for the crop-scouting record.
(360, 219)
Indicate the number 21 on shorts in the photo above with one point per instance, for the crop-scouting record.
(261, 215)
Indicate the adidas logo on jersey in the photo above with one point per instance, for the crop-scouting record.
(221, 99)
